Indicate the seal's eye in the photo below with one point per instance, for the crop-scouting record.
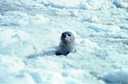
(64, 35)
(69, 34)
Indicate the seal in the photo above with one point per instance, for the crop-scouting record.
(66, 44)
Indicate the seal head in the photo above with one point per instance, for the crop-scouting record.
(67, 43)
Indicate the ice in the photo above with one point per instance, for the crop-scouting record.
(116, 77)
(13, 65)
(14, 18)
(30, 31)
(95, 4)
(120, 3)
(66, 3)
(11, 39)
(20, 79)
(39, 20)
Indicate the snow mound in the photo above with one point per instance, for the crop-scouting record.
(116, 77)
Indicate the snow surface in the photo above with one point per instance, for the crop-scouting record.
(30, 30)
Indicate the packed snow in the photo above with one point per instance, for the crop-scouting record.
(30, 32)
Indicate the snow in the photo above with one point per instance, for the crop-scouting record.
(30, 32)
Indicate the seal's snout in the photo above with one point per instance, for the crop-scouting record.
(65, 35)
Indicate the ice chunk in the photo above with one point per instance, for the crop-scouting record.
(116, 77)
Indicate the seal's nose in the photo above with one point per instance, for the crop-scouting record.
(67, 38)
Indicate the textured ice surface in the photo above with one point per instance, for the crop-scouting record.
(30, 32)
